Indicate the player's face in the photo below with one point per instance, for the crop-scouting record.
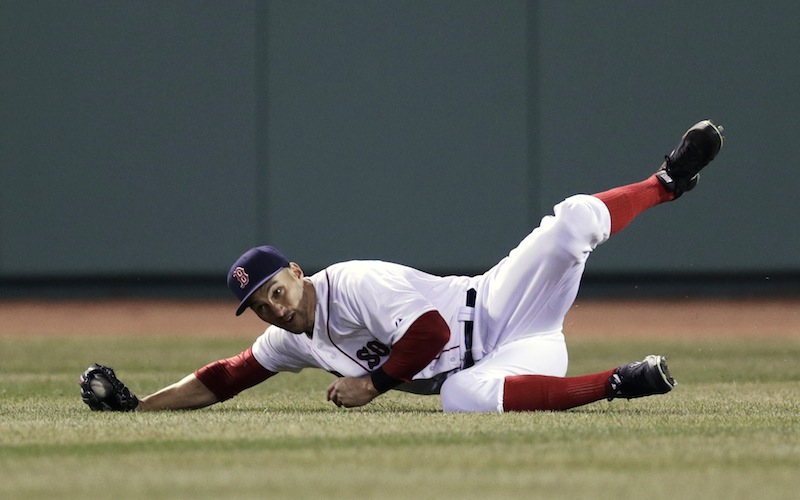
(286, 301)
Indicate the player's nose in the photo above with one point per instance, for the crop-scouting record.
(279, 310)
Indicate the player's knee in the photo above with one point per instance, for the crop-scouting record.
(582, 222)
(464, 392)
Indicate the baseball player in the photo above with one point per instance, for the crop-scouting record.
(487, 343)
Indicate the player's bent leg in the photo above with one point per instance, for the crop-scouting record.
(468, 392)
(648, 377)
(532, 289)
(480, 388)
(528, 375)
(489, 391)
(544, 393)
(625, 203)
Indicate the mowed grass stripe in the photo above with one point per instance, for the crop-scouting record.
(729, 430)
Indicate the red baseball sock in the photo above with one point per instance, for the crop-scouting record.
(541, 392)
(626, 202)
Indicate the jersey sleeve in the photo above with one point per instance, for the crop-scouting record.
(418, 347)
(281, 351)
(228, 377)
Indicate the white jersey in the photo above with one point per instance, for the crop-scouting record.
(363, 308)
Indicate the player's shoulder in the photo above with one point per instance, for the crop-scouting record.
(278, 350)
(279, 338)
(355, 278)
(356, 270)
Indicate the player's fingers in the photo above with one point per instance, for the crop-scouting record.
(332, 391)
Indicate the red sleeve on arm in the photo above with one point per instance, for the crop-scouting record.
(228, 377)
(422, 342)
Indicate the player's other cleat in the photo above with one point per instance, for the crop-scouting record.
(641, 378)
(698, 146)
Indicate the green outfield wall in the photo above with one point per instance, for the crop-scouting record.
(165, 138)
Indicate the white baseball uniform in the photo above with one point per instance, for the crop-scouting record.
(364, 307)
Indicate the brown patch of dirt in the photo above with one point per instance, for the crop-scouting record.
(606, 318)
(127, 317)
(685, 318)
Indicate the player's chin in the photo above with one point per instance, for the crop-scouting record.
(293, 324)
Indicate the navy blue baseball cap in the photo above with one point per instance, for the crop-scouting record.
(254, 268)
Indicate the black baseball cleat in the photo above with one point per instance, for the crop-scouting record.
(641, 378)
(699, 145)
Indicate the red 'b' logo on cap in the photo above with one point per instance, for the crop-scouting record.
(241, 277)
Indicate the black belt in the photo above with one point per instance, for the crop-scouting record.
(468, 326)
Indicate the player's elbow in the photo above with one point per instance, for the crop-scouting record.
(440, 333)
(422, 342)
(228, 377)
(430, 330)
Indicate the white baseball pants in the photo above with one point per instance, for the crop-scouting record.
(523, 301)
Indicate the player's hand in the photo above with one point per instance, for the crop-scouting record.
(101, 390)
(351, 392)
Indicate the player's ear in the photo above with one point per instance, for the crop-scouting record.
(296, 269)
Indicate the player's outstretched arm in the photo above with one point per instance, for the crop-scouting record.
(101, 390)
(187, 394)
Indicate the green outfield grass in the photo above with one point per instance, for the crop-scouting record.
(731, 429)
